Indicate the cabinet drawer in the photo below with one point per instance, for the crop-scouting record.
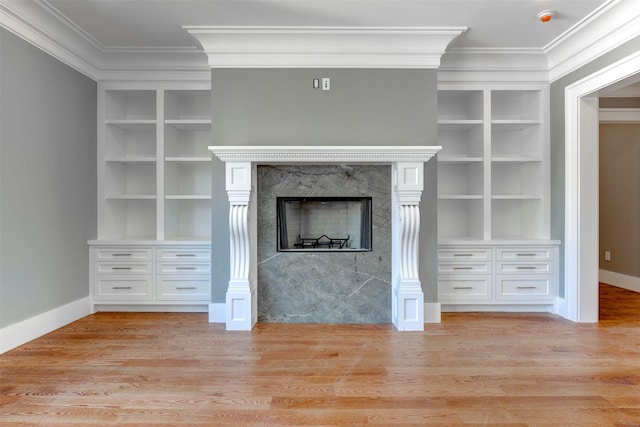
(184, 268)
(118, 288)
(123, 254)
(122, 268)
(184, 289)
(526, 290)
(452, 289)
(523, 254)
(462, 254)
(464, 268)
(525, 268)
(186, 254)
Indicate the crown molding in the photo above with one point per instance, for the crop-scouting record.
(39, 27)
(613, 24)
(39, 23)
(323, 47)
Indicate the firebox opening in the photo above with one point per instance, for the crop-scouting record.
(308, 224)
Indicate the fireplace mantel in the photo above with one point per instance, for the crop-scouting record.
(324, 154)
(407, 165)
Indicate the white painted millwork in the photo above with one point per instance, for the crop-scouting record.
(315, 47)
(154, 197)
(498, 276)
(494, 197)
(407, 180)
(580, 302)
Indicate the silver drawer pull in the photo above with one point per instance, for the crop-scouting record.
(121, 268)
(186, 287)
(462, 254)
(463, 287)
(526, 268)
(123, 254)
(526, 287)
(122, 287)
(525, 254)
(186, 268)
(185, 254)
(463, 268)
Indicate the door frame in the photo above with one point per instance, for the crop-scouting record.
(581, 186)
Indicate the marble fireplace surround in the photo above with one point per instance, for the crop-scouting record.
(407, 166)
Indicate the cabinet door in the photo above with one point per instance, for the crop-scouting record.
(120, 288)
(464, 289)
(525, 289)
(183, 288)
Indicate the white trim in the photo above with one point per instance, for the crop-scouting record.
(619, 115)
(48, 34)
(29, 329)
(432, 312)
(620, 280)
(581, 244)
(217, 312)
(324, 154)
(317, 47)
(613, 24)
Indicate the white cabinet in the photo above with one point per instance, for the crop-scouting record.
(486, 276)
(493, 194)
(154, 190)
(167, 275)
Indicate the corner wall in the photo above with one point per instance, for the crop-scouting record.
(47, 182)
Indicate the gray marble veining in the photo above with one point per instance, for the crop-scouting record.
(324, 287)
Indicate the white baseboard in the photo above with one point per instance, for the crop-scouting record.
(22, 332)
(432, 312)
(631, 283)
(217, 312)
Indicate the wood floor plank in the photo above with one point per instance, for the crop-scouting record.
(176, 369)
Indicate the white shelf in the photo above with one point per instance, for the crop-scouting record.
(493, 170)
(154, 167)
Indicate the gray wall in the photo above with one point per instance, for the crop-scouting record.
(364, 107)
(47, 181)
(557, 137)
(620, 197)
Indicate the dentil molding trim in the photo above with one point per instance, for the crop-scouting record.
(318, 47)
(324, 154)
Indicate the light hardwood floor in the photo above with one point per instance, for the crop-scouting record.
(473, 368)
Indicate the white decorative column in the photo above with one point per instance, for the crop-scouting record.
(241, 298)
(407, 296)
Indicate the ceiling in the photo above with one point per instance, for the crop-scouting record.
(157, 24)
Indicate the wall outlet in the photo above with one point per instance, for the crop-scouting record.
(607, 255)
(326, 83)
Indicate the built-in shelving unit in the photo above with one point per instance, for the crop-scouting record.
(493, 187)
(154, 181)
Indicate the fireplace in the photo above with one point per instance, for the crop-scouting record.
(312, 224)
(405, 171)
(320, 279)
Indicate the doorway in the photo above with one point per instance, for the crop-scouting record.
(581, 202)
